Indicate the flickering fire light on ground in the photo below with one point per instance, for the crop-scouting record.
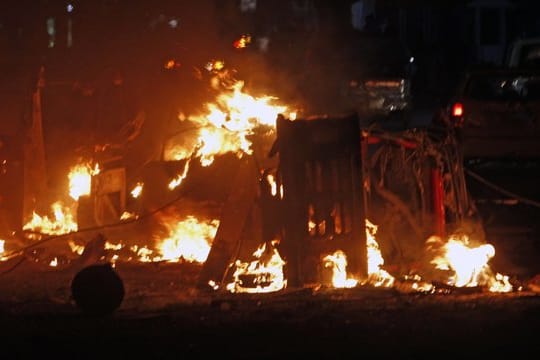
(262, 275)
(338, 262)
(377, 276)
(467, 265)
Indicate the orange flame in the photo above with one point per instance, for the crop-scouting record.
(54, 262)
(263, 275)
(2, 249)
(338, 262)
(62, 223)
(137, 190)
(242, 42)
(468, 266)
(376, 275)
(126, 215)
(80, 179)
(77, 249)
(179, 178)
(144, 253)
(189, 239)
(226, 125)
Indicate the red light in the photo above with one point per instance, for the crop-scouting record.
(457, 109)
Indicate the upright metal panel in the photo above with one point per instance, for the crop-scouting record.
(322, 204)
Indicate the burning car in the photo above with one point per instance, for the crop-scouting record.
(313, 200)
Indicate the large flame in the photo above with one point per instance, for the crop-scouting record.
(189, 239)
(62, 221)
(263, 275)
(467, 265)
(338, 262)
(377, 276)
(226, 124)
(80, 179)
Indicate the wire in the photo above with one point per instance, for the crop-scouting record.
(501, 190)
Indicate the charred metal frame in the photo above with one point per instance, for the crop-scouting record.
(322, 203)
(335, 176)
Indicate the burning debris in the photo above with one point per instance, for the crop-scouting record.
(263, 275)
(466, 265)
(188, 239)
(377, 276)
(308, 207)
(62, 222)
(338, 263)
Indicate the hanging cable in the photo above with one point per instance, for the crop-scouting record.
(501, 190)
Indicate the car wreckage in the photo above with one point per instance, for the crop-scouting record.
(312, 187)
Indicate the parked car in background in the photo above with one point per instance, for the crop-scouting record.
(495, 113)
(380, 72)
(524, 53)
(366, 73)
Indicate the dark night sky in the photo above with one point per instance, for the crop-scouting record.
(135, 35)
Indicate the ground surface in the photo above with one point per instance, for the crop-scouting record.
(163, 315)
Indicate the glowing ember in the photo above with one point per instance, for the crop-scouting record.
(126, 215)
(62, 223)
(80, 180)
(78, 249)
(273, 186)
(215, 65)
(171, 64)
(189, 239)
(313, 227)
(54, 262)
(111, 246)
(263, 275)
(242, 42)
(137, 190)
(376, 275)
(467, 266)
(2, 249)
(338, 263)
(417, 284)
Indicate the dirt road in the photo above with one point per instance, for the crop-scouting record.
(164, 316)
